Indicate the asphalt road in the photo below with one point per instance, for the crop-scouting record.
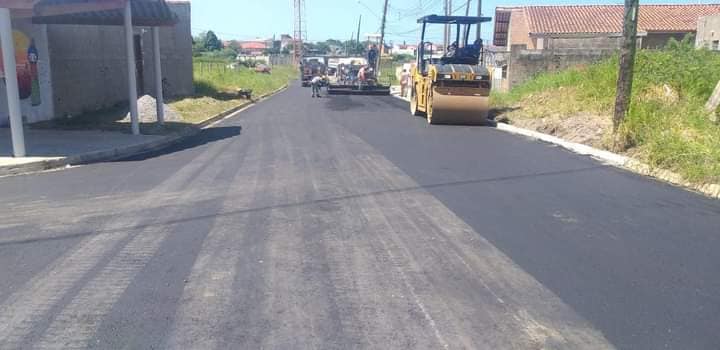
(345, 223)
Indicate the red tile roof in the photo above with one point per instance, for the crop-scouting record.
(253, 45)
(608, 18)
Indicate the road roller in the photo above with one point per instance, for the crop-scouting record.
(451, 85)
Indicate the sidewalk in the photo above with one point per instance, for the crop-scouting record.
(51, 148)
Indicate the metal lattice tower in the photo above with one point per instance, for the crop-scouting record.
(299, 30)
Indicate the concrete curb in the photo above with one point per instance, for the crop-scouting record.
(614, 159)
(131, 150)
(617, 160)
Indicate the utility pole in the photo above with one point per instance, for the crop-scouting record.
(446, 33)
(299, 30)
(465, 28)
(479, 26)
(358, 31)
(627, 62)
(382, 38)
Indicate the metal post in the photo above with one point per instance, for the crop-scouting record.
(479, 25)
(132, 78)
(382, 41)
(11, 83)
(158, 77)
(446, 33)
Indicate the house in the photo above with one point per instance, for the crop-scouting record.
(78, 65)
(72, 57)
(255, 47)
(708, 33)
(593, 26)
(404, 49)
(285, 41)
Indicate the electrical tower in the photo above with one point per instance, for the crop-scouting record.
(299, 30)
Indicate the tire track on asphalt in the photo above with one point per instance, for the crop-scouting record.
(25, 308)
(206, 305)
(378, 218)
(300, 286)
(368, 293)
(93, 302)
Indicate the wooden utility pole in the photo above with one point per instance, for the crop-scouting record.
(627, 63)
(382, 39)
(358, 31)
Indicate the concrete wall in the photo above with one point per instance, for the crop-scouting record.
(89, 67)
(588, 42)
(34, 79)
(660, 40)
(523, 64)
(175, 53)
(708, 31)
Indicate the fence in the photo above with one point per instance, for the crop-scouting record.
(206, 67)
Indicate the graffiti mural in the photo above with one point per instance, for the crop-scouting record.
(26, 59)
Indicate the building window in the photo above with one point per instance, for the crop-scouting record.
(715, 45)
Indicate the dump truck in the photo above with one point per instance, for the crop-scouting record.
(310, 67)
(452, 88)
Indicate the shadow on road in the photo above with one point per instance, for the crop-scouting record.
(205, 136)
(321, 202)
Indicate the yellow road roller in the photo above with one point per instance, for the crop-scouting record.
(451, 86)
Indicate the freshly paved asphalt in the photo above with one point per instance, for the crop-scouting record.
(343, 222)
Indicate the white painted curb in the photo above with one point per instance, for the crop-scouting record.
(605, 156)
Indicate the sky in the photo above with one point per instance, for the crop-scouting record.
(337, 19)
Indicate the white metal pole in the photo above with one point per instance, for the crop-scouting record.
(132, 78)
(11, 84)
(158, 77)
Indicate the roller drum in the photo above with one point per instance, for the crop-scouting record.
(450, 106)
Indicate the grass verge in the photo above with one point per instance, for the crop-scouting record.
(666, 126)
(215, 92)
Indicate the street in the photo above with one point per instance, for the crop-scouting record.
(345, 223)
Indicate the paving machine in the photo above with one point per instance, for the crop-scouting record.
(348, 79)
(453, 88)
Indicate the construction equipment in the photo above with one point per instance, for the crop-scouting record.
(310, 67)
(355, 76)
(455, 87)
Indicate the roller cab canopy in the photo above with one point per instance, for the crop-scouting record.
(453, 19)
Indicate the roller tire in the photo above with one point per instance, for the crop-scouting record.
(414, 104)
(429, 107)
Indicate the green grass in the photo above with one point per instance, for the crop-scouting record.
(213, 78)
(668, 132)
(215, 85)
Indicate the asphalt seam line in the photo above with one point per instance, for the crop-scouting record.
(614, 159)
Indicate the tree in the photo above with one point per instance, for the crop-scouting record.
(322, 47)
(334, 42)
(211, 41)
